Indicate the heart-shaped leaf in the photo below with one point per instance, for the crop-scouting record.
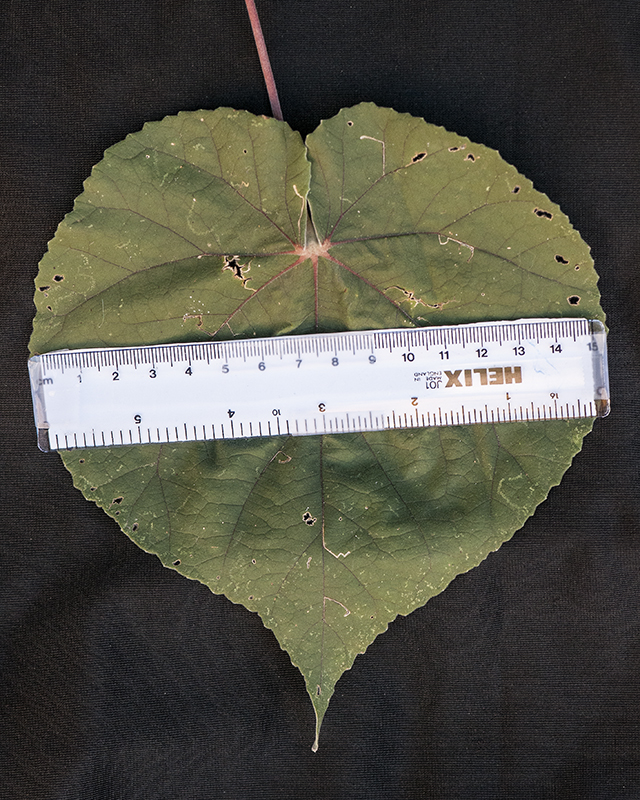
(197, 227)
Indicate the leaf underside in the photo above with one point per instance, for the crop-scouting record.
(221, 224)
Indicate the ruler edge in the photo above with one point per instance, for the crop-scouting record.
(597, 329)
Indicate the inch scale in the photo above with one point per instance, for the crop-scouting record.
(487, 372)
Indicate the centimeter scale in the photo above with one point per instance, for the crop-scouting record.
(487, 372)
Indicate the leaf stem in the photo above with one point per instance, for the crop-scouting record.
(264, 59)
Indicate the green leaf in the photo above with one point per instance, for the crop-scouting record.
(195, 228)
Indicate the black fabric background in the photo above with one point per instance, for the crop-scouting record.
(122, 680)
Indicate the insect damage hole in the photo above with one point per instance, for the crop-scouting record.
(310, 520)
(58, 278)
(515, 190)
(561, 260)
(419, 157)
(539, 212)
(350, 123)
(573, 299)
(470, 157)
(177, 562)
(233, 263)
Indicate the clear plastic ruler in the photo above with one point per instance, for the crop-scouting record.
(480, 373)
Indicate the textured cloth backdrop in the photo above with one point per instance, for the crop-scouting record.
(122, 680)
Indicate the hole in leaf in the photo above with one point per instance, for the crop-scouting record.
(470, 157)
(577, 267)
(58, 278)
(134, 527)
(306, 517)
(49, 308)
(253, 561)
(515, 189)
(418, 157)
(43, 288)
(350, 124)
(573, 299)
(93, 488)
(117, 500)
(176, 563)
(250, 597)
(539, 212)
(453, 149)
(232, 263)
(245, 151)
(81, 461)
(318, 691)
(561, 260)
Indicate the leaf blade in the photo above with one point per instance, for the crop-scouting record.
(327, 538)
